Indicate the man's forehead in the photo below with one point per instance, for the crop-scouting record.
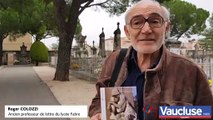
(145, 10)
(146, 16)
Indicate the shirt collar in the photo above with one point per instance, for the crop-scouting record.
(133, 58)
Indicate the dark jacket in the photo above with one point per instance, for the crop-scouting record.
(174, 81)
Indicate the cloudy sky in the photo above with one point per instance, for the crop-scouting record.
(93, 20)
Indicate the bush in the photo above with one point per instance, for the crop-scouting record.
(75, 66)
(39, 52)
(210, 82)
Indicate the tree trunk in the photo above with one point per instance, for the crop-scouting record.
(66, 33)
(63, 63)
(36, 63)
(1, 50)
(2, 37)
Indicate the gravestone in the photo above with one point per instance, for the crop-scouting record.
(102, 52)
(117, 38)
(23, 55)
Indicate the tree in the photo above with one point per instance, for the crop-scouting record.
(186, 19)
(207, 42)
(67, 13)
(20, 17)
(39, 52)
(34, 17)
(8, 24)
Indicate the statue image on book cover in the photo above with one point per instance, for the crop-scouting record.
(118, 103)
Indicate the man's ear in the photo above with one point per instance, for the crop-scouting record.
(168, 26)
(126, 30)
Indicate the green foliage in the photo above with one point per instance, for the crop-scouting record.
(9, 22)
(20, 17)
(117, 7)
(37, 19)
(186, 19)
(207, 42)
(78, 28)
(39, 52)
(33, 16)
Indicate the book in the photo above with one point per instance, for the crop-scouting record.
(118, 103)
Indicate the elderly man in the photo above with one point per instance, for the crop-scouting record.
(161, 77)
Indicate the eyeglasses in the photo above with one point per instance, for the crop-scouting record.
(139, 21)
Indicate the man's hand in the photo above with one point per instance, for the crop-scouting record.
(96, 116)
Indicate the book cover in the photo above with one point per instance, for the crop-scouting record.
(119, 103)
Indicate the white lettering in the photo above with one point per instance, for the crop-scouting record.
(163, 111)
(199, 111)
(169, 112)
(180, 111)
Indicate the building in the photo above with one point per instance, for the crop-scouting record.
(173, 46)
(125, 43)
(192, 49)
(16, 50)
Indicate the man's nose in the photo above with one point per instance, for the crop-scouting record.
(146, 29)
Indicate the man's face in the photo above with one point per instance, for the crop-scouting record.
(146, 28)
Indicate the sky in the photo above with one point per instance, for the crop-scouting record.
(93, 21)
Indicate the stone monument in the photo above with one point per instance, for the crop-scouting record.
(102, 52)
(117, 38)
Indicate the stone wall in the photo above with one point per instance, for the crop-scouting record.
(83, 68)
(90, 66)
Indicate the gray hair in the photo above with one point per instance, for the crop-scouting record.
(166, 13)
